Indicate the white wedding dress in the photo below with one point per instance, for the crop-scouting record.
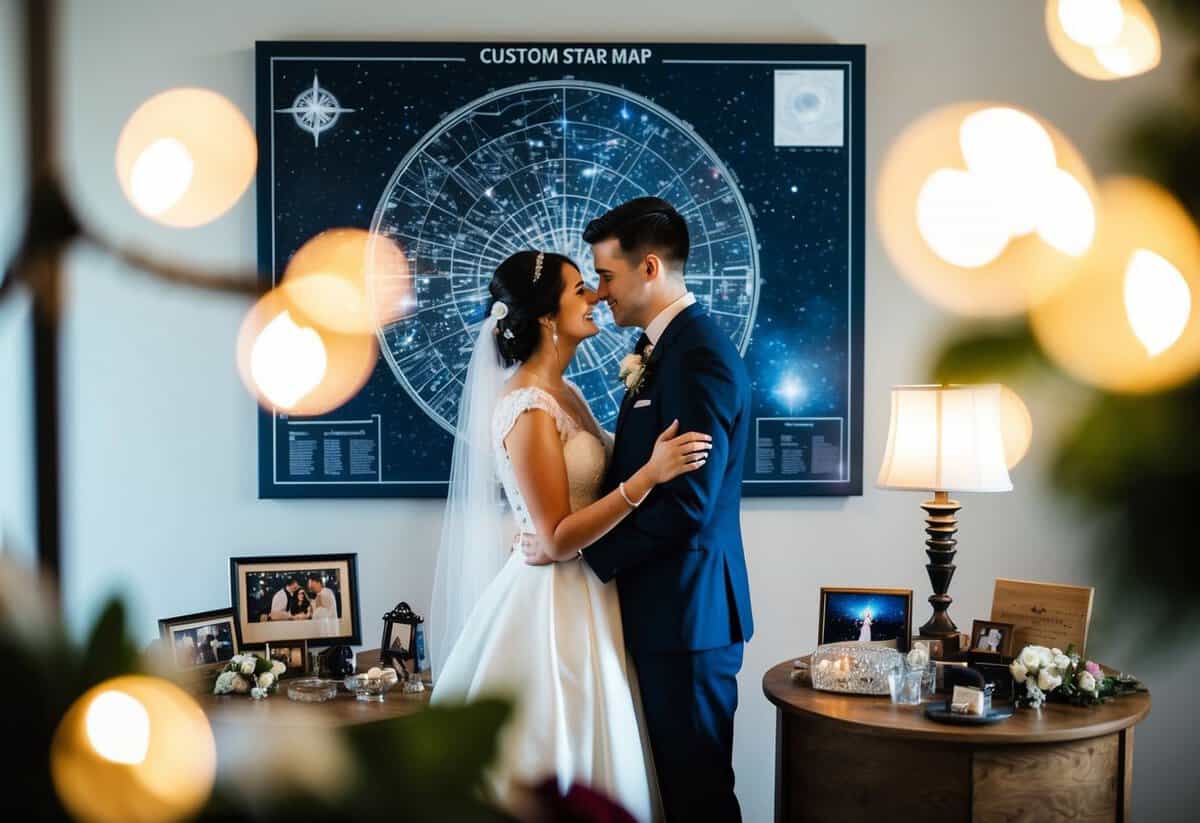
(550, 637)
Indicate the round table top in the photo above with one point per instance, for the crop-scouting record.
(873, 715)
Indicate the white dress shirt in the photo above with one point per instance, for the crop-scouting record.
(663, 319)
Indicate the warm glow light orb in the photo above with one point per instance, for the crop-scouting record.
(293, 364)
(348, 280)
(1016, 426)
(1125, 321)
(984, 208)
(185, 156)
(133, 749)
(1103, 39)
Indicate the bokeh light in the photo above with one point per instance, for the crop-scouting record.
(348, 280)
(1016, 426)
(133, 749)
(291, 364)
(185, 157)
(985, 208)
(1103, 39)
(1125, 322)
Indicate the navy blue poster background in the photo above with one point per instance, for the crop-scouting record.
(461, 153)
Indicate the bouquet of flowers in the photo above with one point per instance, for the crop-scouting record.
(1066, 677)
(249, 674)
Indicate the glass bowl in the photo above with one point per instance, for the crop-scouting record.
(312, 690)
(370, 687)
(853, 668)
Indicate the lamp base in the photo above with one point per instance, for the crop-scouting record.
(941, 525)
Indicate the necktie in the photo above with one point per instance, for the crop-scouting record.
(642, 343)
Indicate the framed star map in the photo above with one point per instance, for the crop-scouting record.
(461, 154)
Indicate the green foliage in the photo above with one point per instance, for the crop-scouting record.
(980, 355)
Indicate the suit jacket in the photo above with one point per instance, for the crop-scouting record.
(678, 559)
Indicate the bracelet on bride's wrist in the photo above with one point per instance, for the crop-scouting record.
(625, 495)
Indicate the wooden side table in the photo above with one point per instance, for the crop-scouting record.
(343, 710)
(852, 757)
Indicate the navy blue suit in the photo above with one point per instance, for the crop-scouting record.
(679, 564)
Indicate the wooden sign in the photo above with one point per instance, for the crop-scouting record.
(1044, 614)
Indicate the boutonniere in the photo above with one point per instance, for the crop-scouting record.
(633, 369)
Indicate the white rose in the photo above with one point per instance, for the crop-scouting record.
(247, 667)
(241, 685)
(277, 668)
(236, 659)
(1062, 662)
(1019, 672)
(257, 693)
(1086, 681)
(265, 680)
(224, 684)
(630, 362)
(1045, 657)
(1056, 652)
(1031, 659)
(1048, 679)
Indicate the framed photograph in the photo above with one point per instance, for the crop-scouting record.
(294, 656)
(991, 639)
(1044, 614)
(200, 642)
(289, 599)
(880, 616)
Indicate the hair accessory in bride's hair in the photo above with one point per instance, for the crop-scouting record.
(537, 266)
(499, 310)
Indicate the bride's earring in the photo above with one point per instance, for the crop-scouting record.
(554, 329)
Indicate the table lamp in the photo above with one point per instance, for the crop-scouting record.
(944, 438)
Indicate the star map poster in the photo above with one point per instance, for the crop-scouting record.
(464, 153)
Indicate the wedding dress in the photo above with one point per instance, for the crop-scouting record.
(864, 634)
(551, 637)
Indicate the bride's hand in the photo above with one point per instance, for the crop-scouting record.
(675, 455)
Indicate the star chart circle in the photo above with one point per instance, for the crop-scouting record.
(527, 167)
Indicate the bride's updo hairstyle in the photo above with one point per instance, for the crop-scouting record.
(526, 299)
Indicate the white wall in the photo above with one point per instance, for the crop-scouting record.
(161, 439)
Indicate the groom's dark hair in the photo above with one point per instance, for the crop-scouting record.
(644, 225)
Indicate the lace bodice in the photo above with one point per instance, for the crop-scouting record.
(585, 449)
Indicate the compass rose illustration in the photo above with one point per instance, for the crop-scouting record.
(315, 110)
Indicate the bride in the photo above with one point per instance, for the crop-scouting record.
(549, 636)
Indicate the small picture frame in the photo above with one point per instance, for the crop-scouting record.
(297, 598)
(992, 640)
(401, 641)
(200, 643)
(292, 655)
(878, 616)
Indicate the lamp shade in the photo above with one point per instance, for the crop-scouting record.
(945, 438)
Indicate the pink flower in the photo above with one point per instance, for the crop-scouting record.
(1092, 668)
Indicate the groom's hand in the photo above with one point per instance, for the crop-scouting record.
(535, 555)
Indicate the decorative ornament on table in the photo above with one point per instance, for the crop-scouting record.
(633, 369)
(249, 674)
(403, 646)
(853, 668)
(1043, 674)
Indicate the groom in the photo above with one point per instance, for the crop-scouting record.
(677, 559)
